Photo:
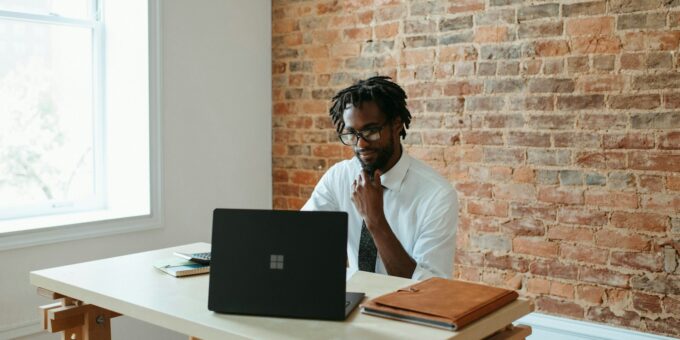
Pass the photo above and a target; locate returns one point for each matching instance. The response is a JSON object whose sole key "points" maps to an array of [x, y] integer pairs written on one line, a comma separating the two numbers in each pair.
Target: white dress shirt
{"points": [[421, 207]]}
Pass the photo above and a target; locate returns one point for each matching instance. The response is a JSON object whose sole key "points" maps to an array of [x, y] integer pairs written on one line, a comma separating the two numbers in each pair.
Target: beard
{"points": [[383, 155]]}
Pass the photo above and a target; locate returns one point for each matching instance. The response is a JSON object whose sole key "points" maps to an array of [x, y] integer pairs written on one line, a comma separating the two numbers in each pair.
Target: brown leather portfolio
{"points": [[438, 302]]}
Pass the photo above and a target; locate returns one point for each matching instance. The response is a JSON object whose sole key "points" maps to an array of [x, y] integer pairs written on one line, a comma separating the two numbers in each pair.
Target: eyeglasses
{"points": [[369, 135]]}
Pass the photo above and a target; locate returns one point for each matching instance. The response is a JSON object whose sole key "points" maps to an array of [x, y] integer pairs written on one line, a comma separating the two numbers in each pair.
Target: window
{"points": [[77, 117]]}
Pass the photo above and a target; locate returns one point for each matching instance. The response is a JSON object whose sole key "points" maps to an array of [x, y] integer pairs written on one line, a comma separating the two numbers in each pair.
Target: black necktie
{"points": [[368, 253]]}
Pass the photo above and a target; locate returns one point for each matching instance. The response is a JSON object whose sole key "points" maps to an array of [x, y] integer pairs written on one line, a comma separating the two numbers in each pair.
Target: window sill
{"points": [[53, 229]]}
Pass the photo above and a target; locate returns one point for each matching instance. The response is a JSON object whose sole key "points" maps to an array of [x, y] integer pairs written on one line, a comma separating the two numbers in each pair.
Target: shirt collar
{"points": [[394, 177]]}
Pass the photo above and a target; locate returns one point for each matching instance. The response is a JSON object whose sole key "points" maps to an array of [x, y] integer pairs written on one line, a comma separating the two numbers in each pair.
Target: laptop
{"points": [[280, 263]]}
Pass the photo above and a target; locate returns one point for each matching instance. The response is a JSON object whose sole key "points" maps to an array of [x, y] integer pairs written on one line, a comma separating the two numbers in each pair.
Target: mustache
{"points": [[365, 150]]}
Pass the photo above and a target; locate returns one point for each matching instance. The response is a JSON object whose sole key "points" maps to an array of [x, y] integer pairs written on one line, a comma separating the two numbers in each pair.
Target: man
{"points": [[402, 214]]}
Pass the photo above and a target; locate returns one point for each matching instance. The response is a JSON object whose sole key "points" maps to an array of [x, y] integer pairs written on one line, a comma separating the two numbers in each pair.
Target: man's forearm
{"points": [[396, 260]]}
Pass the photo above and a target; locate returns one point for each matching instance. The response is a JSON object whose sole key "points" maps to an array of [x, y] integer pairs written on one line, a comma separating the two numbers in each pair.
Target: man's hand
{"points": [[367, 196]]}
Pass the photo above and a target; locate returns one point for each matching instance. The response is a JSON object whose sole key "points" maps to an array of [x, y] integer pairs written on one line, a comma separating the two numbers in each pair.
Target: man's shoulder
{"points": [[342, 168], [428, 179]]}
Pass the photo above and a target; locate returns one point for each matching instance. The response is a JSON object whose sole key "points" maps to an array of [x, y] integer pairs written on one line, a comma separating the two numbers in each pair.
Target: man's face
{"points": [[378, 154]]}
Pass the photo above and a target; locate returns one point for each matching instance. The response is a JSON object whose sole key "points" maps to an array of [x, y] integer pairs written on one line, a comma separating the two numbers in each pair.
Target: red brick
{"points": [[640, 221], [646, 302], [358, 33], [538, 286], [614, 199], [593, 26], [563, 290], [554, 306], [602, 83], [387, 31], [524, 227], [635, 260], [348, 49], [284, 189], [542, 211], [649, 41], [669, 140], [591, 295], [296, 203], [606, 316], [326, 37], [645, 160], [604, 277], [582, 216], [560, 232], [615, 239], [489, 208], [457, 53], [417, 57], [536, 139], [443, 137], [583, 253], [651, 183], [601, 160], [466, 6], [491, 34], [526, 175], [554, 268], [515, 192], [483, 138], [280, 176], [506, 262], [662, 202], [482, 190], [550, 48], [671, 100], [533, 246], [316, 52], [673, 182], [327, 150], [468, 258], [595, 44], [641, 102], [305, 177], [285, 26], [463, 88], [561, 195], [629, 141], [671, 305]]}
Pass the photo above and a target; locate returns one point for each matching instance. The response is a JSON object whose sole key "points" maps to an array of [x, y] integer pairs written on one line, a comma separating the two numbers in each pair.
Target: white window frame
{"points": [[99, 201], [91, 224]]}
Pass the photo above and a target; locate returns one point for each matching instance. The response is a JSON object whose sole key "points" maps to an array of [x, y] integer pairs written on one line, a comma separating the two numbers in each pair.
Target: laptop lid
{"points": [[278, 263]]}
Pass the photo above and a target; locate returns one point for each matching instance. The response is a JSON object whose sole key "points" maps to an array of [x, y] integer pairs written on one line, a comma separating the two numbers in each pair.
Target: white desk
{"points": [[129, 285]]}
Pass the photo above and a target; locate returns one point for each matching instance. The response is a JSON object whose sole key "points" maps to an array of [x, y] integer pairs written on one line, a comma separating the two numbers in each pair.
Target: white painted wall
{"points": [[216, 127]]}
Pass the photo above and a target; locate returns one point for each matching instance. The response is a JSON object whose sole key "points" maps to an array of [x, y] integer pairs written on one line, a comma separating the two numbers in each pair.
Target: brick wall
{"points": [[557, 121]]}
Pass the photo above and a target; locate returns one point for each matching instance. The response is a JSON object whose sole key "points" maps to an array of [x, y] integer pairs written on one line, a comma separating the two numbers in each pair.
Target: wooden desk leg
{"points": [[77, 321], [510, 332]]}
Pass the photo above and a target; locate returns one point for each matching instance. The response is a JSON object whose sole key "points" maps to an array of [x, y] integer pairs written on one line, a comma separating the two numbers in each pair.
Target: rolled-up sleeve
{"points": [[435, 246]]}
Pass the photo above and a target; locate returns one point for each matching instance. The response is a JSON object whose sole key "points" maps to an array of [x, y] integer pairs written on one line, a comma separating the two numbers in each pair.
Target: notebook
{"points": [[441, 303], [180, 267]]}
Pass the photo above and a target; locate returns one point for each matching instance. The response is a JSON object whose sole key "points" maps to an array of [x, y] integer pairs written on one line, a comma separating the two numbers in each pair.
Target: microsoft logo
{"points": [[276, 262]]}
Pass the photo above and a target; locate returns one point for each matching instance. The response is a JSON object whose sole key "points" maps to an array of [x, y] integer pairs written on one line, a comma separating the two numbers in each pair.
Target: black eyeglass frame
{"points": [[369, 135]]}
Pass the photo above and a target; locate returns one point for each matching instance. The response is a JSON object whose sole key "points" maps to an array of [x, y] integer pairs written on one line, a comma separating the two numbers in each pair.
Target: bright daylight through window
{"points": [[74, 112]]}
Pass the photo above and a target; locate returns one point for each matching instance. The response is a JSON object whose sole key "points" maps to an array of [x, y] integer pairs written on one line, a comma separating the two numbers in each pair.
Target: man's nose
{"points": [[362, 143]]}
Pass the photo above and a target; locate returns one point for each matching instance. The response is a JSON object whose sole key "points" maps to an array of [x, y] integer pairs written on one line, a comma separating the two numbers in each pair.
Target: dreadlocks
{"points": [[390, 98]]}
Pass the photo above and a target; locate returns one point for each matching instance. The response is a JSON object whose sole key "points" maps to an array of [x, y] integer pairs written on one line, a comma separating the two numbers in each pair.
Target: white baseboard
{"points": [[542, 327], [556, 328], [21, 330]]}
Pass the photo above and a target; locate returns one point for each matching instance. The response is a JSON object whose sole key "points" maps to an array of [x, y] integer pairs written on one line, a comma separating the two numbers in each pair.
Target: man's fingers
{"points": [[377, 181]]}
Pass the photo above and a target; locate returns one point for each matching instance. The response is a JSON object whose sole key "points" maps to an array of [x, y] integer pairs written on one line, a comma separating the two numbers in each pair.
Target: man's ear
{"points": [[399, 125]]}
